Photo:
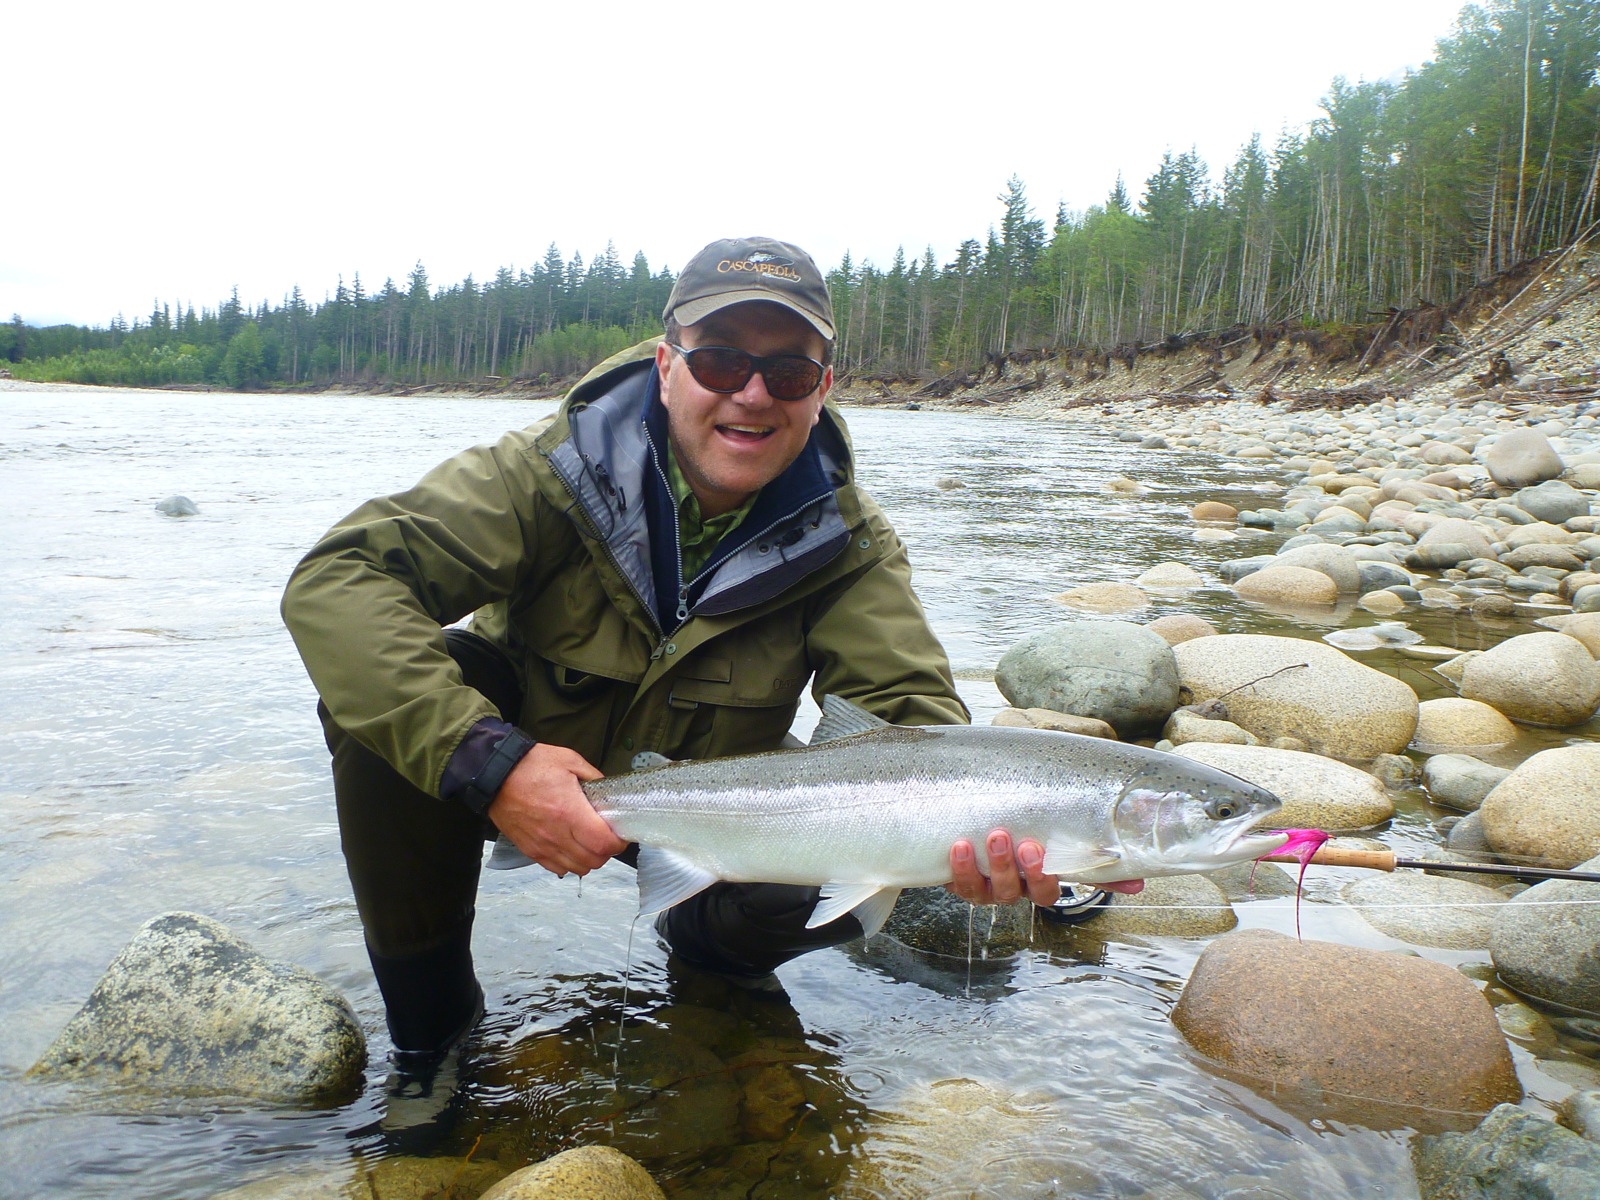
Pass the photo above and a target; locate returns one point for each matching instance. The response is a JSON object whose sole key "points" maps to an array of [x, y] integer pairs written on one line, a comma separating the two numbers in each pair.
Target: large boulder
{"points": [[1520, 458], [1389, 1028], [1548, 808], [1545, 942], [583, 1173], [1536, 678], [1454, 724], [188, 1007], [1317, 792], [1114, 670], [1290, 687], [1513, 1155]]}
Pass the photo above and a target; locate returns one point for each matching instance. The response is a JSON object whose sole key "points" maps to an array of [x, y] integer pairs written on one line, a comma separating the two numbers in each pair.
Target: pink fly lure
{"points": [[1302, 844]]}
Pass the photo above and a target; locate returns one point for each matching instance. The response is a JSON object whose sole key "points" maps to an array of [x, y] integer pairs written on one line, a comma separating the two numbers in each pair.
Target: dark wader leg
{"points": [[413, 862], [747, 929]]}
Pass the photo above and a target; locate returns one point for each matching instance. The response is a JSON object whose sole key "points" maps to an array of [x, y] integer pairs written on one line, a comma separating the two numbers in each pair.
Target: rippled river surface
{"points": [[161, 754]]}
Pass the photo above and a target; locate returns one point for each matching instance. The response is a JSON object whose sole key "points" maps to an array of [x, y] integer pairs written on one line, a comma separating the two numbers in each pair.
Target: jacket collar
{"points": [[609, 461]]}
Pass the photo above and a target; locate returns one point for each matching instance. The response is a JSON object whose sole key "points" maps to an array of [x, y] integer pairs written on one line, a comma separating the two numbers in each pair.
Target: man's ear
{"points": [[663, 365], [827, 383]]}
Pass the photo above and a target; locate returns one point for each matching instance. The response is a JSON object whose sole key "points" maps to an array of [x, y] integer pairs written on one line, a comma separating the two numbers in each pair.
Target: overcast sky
{"points": [[170, 151]]}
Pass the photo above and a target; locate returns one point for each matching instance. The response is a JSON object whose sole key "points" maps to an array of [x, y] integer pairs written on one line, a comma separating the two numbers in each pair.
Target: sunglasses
{"points": [[726, 370]]}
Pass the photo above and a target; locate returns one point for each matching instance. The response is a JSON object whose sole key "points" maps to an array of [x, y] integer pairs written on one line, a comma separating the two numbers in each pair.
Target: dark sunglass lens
{"points": [[791, 377], [719, 369]]}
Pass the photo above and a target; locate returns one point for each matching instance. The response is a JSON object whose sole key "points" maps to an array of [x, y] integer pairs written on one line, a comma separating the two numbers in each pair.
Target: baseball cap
{"points": [[736, 270]]}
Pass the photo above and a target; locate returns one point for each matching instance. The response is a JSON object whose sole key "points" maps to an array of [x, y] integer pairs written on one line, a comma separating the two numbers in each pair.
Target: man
{"points": [[662, 566]]}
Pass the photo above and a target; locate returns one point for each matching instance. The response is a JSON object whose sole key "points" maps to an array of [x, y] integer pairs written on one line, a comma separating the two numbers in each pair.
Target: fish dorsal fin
{"points": [[1071, 860], [840, 718], [667, 878], [506, 857], [870, 902], [649, 760]]}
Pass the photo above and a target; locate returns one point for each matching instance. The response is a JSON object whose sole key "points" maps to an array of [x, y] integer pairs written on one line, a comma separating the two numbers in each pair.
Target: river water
{"points": [[161, 754]]}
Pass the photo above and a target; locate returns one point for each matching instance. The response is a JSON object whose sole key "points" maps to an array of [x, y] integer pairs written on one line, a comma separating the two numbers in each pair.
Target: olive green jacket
{"points": [[542, 536]]}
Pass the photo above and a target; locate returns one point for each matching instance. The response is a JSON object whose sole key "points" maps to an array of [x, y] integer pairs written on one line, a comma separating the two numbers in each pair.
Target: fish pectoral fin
{"points": [[1071, 859], [667, 878], [840, 718], [506, 857], [870, 903], [647, 760]]}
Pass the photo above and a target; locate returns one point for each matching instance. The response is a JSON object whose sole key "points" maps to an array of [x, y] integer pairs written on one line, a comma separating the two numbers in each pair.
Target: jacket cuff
{"points": [[481, 763]]}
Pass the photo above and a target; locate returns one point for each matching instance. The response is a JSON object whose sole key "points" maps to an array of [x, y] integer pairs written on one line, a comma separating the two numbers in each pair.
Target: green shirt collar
{"points": [[698, 536]]}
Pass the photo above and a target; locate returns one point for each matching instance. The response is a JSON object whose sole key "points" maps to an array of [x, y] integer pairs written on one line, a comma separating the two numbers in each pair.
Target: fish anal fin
{"points": [[870, 902], [667, 878], [840, 718], [1071, 860], [506, 857]]}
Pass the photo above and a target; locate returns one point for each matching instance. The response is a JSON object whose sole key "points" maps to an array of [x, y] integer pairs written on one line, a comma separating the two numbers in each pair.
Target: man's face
{"points": [[731, 446]]}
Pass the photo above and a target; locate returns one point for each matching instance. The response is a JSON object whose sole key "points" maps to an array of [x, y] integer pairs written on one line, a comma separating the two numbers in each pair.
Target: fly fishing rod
{"points": [[1385, 860]]}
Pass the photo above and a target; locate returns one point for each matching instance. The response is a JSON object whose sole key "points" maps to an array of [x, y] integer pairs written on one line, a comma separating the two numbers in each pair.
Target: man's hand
{"points": [[543, 810], [1011, 873]]}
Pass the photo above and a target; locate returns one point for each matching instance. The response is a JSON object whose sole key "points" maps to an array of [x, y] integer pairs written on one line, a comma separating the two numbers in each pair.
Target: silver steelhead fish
{"points": [[870, 808]]}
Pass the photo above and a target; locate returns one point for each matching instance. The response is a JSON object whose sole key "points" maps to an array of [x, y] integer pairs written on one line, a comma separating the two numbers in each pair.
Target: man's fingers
{"points": [[1041, 888], [965, 879], [1003, 879]]}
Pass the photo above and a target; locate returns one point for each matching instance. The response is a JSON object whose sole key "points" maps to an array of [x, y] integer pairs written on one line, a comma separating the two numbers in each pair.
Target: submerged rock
{"points": [[1460, 781], [1105, 598], [586, 1173], [1545, 942], [1389, 1028], [1512, 1155], [1426, 910], [188, 1007]]}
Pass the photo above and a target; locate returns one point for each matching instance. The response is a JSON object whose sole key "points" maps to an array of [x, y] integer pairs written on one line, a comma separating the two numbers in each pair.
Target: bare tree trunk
{"points": [[1522, 158]]}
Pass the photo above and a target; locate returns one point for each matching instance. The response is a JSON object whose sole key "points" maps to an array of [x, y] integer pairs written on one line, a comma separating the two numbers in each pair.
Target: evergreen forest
{"points": [[1402, 193]]}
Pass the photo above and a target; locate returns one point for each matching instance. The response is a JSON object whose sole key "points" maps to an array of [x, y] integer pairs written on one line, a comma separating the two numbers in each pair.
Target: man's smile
{"points": [[745, 433]]}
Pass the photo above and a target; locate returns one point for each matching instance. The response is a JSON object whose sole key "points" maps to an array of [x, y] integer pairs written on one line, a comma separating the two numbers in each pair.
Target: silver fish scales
{"points": [[869, 808]]}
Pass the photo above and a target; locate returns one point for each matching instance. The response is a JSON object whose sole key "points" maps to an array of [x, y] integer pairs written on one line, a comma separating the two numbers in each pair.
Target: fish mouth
{"points": [[1255, 843]]}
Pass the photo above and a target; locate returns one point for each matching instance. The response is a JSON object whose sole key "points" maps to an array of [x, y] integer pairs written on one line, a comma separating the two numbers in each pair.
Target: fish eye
{"points": [[1224, 811]]}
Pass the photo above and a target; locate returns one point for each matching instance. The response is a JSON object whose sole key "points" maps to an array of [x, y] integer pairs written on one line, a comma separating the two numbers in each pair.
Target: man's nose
{"points": [[754, 392]]}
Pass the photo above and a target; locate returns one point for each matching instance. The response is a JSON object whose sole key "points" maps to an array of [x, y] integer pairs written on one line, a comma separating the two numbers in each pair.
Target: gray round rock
{"points": [[1546, 942], [1114, 670], [186, 1006]]}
